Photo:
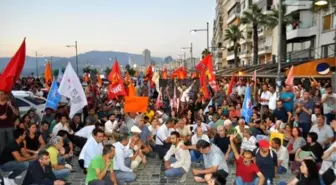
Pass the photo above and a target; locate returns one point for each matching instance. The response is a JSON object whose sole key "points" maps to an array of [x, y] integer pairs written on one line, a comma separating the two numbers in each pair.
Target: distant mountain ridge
{"points": [[98, 59]]}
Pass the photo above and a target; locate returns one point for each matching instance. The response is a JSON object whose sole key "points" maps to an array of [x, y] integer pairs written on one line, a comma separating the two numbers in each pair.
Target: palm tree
{"points": [[253, 16], [205, 52], [271, 21], [233, 34]]}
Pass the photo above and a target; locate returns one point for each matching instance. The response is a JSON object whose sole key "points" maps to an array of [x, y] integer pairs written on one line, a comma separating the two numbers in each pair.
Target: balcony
{"points": [[296, 5], [264, 49], [300, 31], [230, 55], [245, 53]]}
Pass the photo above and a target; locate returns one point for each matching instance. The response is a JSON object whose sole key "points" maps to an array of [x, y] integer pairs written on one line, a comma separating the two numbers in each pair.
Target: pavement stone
{"points": [[153, 174]]}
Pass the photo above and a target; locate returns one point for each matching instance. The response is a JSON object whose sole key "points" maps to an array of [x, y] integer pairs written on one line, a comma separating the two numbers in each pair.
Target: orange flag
{"points": [[131, 89], [203, 85], [135, 104], [86, 77], [164, 74], [290, 77], [99, 80], [48, 75], [231, 84], [13, 69]]}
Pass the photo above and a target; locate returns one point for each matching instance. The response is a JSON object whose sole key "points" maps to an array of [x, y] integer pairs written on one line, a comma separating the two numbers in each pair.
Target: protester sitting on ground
{"points": [[162, 139], [184, 130], [179, 165], [40, 171], [282, 154], [11, 159], [67, 151], [249, 141], [136, 145], [76, 124], [308, 174], [62, 125], [199, 123], [221, 139], [266, 159], [312, 146], [33, 142], [100, 165], [44, 131], [49, 116], [324, 132], [122, 161], [214, 162], [294, 144], [60, 168], [241, 127], [92, 148], [196, 156], [247, 172], [111, 126]]}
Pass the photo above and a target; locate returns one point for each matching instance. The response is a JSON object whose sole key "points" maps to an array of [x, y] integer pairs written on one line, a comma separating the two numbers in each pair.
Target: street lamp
{"points": [[37, 55], [280, 22], [191, 53], [207, 30], [76, 48]]}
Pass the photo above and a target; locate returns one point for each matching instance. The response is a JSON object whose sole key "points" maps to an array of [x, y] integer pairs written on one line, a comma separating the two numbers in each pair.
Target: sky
{"points": [[162, 26]]}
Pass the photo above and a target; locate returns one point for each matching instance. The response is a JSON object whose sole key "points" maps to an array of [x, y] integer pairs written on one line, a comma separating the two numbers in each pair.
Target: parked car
{"points": [[26, 100]]}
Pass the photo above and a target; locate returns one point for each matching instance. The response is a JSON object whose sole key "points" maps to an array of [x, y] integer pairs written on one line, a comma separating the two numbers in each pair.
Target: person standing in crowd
{"points": [[281, 113], [282, 154], [12, 160], [305, 110], [287, 97], [265, 95], [266, 159], [180, 164], [40, 171], [214, 162], [246, 170], [7, 114], [329, 104], [100, 165], [122, 161]]}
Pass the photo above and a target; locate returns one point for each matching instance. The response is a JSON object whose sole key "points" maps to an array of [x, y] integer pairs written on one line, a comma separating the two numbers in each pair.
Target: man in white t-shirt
{"points": [[162, 139], [195, 154], [329, 104], [265, 95], [283, 156]]}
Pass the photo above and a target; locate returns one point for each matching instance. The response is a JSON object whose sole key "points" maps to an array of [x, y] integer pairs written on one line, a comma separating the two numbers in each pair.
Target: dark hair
{"points": [[63, 133], [44, 122], [219, 180], [171, 120], [298, 130], [313, 136], [107, 149], [96, 131], [58, 115], [123, 137], [312, 170], [328, 86], [276, 141], [175, 134], [42, 153], [31, 124], [18, 132], [78, 114], [201, 144]]}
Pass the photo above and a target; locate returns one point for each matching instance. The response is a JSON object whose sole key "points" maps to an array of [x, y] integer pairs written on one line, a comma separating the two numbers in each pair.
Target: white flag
{"points": [[71, 88], [60, 75]]}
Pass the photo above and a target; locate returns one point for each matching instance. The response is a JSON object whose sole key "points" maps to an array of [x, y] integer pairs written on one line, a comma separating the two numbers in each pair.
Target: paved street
{"points": [[153, 174]]}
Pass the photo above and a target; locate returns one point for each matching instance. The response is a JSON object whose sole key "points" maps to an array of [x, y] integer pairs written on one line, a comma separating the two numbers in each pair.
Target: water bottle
{"points": [[268, 182]]}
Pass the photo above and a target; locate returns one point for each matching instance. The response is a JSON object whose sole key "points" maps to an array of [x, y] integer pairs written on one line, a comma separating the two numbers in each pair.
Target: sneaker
{"points": [[18, 177], [183, 178], [12, 182]]}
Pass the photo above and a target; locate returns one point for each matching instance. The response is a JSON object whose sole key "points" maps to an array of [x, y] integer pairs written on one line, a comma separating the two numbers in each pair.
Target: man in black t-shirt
{"points": [[11, 159]]}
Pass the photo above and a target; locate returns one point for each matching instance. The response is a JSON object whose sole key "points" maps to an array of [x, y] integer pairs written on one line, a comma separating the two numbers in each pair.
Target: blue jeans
{"points": [[174, 172], [15, 167], [239, 181], [282, 183], [123, 177], [105, 181], [195, 155], [62, 173], [305, 128], [282, 170]]}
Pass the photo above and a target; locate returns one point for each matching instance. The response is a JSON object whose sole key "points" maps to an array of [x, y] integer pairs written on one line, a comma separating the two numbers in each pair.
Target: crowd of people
{"points": [[294, 133]]}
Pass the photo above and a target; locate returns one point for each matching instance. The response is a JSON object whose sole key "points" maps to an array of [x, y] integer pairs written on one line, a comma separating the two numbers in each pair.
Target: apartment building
{"points": [[216, 42]]}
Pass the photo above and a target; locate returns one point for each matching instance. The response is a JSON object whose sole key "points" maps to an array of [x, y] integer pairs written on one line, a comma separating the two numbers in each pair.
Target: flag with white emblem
{"points": [[71, 88], [53, 96]]}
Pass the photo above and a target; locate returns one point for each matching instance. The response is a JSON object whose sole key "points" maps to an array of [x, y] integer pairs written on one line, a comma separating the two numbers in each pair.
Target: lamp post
{"points": [[280, 23], [207, 30], [191, 54], [76, 48], [37, 70]]}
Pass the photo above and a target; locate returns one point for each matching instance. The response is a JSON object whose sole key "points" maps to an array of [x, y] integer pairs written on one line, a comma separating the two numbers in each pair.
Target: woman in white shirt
{"points": [[249, 141]]}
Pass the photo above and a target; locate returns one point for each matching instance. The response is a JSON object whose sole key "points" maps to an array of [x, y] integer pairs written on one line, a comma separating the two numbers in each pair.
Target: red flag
{"points": [[290, 77], [203, 85], [231, 84], [13, 69], [116, 87], [207, 66], [180, 73], [203, 65]]}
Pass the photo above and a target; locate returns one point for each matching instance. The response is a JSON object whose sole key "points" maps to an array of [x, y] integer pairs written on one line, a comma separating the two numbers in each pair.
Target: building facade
{"points": [[147, 57]]}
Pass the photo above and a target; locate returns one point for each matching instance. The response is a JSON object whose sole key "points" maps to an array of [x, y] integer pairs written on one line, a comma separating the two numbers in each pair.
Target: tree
{"points": [[55, 72], [253, 16], [233, 34], [272, 21], [107, 71], [87, 69]]}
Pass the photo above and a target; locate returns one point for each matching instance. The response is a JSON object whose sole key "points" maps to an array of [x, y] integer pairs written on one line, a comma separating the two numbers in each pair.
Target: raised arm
{"points": [[233, 146]]}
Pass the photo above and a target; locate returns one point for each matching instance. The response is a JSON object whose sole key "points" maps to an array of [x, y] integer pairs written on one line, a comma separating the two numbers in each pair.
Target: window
{"points": [[21, 103], [328, 50], [327, 22], [334, 21], [35, 100]]}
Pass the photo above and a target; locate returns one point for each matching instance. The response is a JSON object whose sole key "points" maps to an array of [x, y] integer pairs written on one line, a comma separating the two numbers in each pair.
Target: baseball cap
{"points": [[135, 129], [264, 144]]}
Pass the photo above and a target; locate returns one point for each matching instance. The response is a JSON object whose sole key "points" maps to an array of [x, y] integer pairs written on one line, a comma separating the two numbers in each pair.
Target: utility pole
{"points": [[280, 22]]}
